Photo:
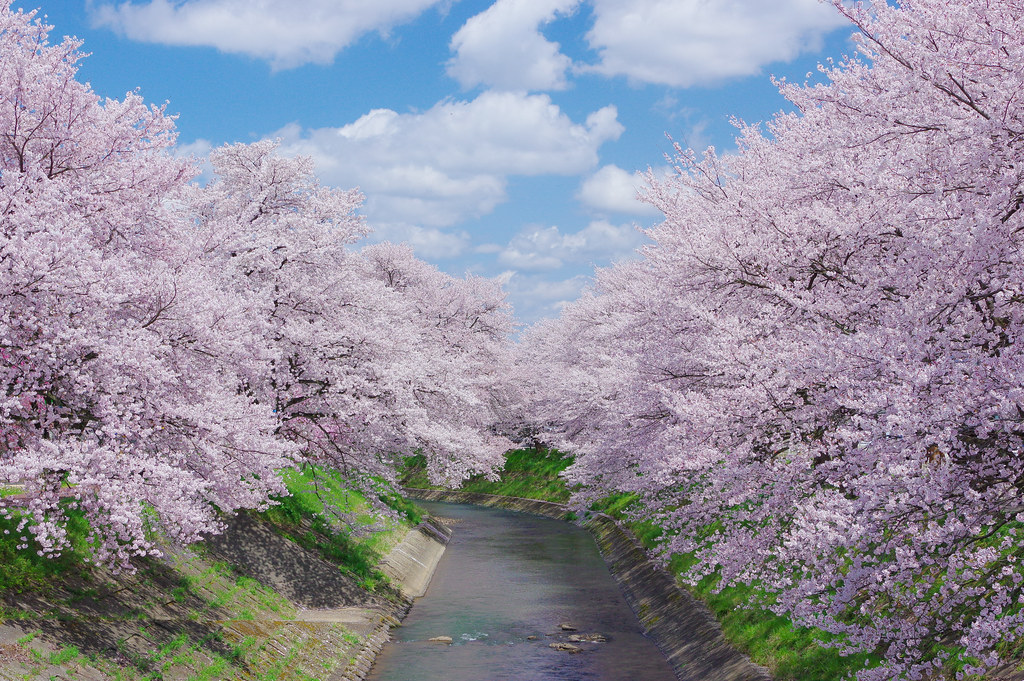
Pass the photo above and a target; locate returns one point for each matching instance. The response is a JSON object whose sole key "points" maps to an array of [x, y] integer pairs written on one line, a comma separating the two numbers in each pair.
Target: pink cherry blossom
{"points": [[814, 375], [166, 349]]}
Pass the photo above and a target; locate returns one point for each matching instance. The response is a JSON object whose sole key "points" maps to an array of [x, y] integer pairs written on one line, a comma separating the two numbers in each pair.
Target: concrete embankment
{"points": [[534, 506], [250, 604], [410, 565], [329, 598], [681, 626]]}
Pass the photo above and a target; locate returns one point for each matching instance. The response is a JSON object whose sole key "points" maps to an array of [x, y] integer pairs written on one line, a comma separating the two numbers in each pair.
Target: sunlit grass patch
{"points": [[323, 514], [24, 568], [529, 473], [7, 490]]}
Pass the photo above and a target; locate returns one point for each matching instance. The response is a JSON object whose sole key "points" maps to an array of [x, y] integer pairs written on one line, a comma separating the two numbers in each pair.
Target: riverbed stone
{"points": [[441, 639], [565, 647], [565, 626], [590, 638]]}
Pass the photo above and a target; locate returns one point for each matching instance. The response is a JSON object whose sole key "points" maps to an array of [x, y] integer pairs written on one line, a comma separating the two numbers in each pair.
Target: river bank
{"points": [[789, 653], [682, 627], [247, 604]]}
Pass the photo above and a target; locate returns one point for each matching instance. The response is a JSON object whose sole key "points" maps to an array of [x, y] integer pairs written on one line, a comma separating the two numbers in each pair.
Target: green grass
{"points": [[25, 570], [64, 655], [310, 515], [28, 638], [772, 640], [529, 473], [792, 653], [181, 650], [314, 492], [413, 514], [204, 592]]}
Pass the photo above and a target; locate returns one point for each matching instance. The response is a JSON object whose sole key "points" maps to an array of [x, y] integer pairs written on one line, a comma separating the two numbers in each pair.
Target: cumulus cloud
{"points": [[539, 248], [503, 48], [559, 290], [430, 243], [285, 32], [536, 296], [700, 42], [451, 162], [197, 151], [614, 190]]}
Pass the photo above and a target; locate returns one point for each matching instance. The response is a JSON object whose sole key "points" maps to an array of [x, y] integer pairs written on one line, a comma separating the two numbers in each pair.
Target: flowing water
{"points": [[504, 578]]}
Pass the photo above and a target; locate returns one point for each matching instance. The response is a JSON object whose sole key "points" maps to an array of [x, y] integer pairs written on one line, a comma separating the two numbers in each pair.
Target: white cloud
{"points": [[614, 190], [285, 32], [560, 291], [699, 42], [502, 47], [539, 248], [505, 277], [429, 243], [199, 149], [528, 256], [535, 296], [199, 152], [451, 162]]}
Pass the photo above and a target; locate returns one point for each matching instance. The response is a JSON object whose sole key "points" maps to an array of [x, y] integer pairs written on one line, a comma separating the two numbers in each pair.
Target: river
{"points": [[508, 577]]}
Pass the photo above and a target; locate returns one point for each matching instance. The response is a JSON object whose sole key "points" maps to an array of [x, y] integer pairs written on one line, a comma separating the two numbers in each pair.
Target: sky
{"points": [[502, 138]]}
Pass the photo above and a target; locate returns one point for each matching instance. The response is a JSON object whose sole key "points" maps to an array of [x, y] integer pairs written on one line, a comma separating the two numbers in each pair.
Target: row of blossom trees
{"points": [[815, 375], [166, 349]]}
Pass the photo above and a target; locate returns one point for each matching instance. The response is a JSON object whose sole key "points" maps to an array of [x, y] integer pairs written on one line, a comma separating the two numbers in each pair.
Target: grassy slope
{"points": [[528, 473], [189, 615], [791, 653], [310, 518]]}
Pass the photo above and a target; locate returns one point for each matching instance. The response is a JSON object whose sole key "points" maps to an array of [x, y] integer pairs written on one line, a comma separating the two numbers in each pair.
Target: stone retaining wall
{"points": [[362, 660], [681, 626], [308, 620]]}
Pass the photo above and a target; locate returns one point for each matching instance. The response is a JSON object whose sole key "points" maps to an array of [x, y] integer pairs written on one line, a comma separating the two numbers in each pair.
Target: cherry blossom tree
{"points": [[371, 356], [117, 351], [814, 374], [166, 349], [460, 380]]}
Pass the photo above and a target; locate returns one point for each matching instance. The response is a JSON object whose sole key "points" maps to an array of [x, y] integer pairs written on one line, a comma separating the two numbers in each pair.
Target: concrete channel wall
{"points": [[410, 565], [680, 625], [534, 506]]}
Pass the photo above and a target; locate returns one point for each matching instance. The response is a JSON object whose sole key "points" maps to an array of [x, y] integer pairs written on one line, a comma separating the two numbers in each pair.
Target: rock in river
{"points": [[567, 647]]}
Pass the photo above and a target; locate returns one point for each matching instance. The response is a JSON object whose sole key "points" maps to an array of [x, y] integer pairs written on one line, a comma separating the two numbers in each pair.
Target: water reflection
{"points": [[503, 588]]}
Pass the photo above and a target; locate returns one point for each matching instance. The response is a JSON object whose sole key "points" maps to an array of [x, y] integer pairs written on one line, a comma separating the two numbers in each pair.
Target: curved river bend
{"points": [[504, 578]]}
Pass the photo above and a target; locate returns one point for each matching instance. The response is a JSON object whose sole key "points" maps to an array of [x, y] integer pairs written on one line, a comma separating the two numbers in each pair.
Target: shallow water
{"points": [[507, 576]]}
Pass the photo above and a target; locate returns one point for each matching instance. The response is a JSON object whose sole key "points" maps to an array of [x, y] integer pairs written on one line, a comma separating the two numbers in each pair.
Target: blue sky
{"points": [[498, 137]]}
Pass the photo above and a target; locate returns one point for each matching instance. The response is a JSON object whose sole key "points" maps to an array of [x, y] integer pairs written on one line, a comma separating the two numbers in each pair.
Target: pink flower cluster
{"points": [[166, 349], [815, 375]]}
